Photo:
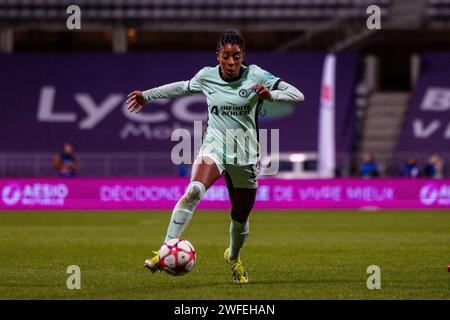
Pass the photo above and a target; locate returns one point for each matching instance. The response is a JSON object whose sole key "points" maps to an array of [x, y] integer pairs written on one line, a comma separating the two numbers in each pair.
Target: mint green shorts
{"points": [[241, 176]]}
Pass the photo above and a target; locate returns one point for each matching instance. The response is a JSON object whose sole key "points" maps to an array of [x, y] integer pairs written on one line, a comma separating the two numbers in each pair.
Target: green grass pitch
{"points": [[289, 255]]}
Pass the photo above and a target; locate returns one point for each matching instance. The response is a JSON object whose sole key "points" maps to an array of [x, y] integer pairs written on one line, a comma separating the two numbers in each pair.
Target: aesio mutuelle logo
{"points": [[435, 194], [42, 194], [11, 195]]}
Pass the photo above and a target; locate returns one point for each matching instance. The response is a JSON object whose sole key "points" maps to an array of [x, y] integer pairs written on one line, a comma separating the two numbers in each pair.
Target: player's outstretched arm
{"points": [[284, 93], [137, 99]]}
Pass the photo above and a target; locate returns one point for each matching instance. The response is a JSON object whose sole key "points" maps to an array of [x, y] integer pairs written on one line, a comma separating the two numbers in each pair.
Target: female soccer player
{"points": [[235, 93]]}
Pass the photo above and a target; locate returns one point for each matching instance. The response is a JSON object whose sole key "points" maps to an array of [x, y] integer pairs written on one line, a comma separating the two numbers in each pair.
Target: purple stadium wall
{"points": [[48, 99], [426, 127]]}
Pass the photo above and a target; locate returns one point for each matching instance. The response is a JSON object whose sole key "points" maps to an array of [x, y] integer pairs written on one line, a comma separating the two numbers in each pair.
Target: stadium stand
{"points": [[426, 125], [438, 10], [163, 11]]}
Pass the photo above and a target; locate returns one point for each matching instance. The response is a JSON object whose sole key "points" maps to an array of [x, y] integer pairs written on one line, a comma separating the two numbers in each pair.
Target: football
{"points": [[177, 257]]}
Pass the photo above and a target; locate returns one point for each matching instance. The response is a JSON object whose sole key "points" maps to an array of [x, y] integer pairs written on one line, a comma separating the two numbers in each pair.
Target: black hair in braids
{"points": [[230, 37]]}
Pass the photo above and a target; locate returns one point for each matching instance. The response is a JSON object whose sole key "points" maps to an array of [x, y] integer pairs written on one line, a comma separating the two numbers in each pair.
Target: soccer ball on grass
{"points": [[177, 257]]}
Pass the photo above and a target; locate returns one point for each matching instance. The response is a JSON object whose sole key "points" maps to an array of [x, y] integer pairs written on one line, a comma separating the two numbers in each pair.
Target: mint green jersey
{"points": [[233, 108]]}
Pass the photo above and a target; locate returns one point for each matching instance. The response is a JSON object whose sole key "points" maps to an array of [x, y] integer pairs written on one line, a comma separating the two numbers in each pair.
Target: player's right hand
{"points": [[135, 101]]}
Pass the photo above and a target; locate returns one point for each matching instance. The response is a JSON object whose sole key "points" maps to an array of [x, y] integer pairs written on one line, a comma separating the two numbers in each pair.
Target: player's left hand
{"points": [[262, 91]]}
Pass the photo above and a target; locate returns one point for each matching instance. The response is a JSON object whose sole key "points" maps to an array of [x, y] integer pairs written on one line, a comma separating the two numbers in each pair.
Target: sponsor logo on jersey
{"points": [[231, 110]]}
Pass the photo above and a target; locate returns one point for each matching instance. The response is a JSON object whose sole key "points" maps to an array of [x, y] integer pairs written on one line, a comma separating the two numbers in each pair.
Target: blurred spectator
{"points": [[66, 162], [369, 167], [411, 168], [434, 166]]}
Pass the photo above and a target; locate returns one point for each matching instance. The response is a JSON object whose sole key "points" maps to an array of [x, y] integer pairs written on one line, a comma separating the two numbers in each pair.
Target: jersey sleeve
{"points": [[176, 89], [167, 91], [196, 83], [266, 78], [286, 92]]}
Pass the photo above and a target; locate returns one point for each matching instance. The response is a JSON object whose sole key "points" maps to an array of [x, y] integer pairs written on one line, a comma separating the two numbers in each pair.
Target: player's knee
{"points": [[194, 192]]}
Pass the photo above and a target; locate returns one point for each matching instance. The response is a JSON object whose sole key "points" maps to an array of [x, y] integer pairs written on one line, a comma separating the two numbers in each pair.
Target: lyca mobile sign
{"points": [[147, 123]]}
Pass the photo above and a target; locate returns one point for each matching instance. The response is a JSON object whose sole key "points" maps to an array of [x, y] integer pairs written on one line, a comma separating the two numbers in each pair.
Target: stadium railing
{"points": [[40, 164]]}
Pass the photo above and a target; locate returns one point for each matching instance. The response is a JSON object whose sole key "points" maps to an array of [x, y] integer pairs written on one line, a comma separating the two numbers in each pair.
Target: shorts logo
{"points": [[243, 93]]}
